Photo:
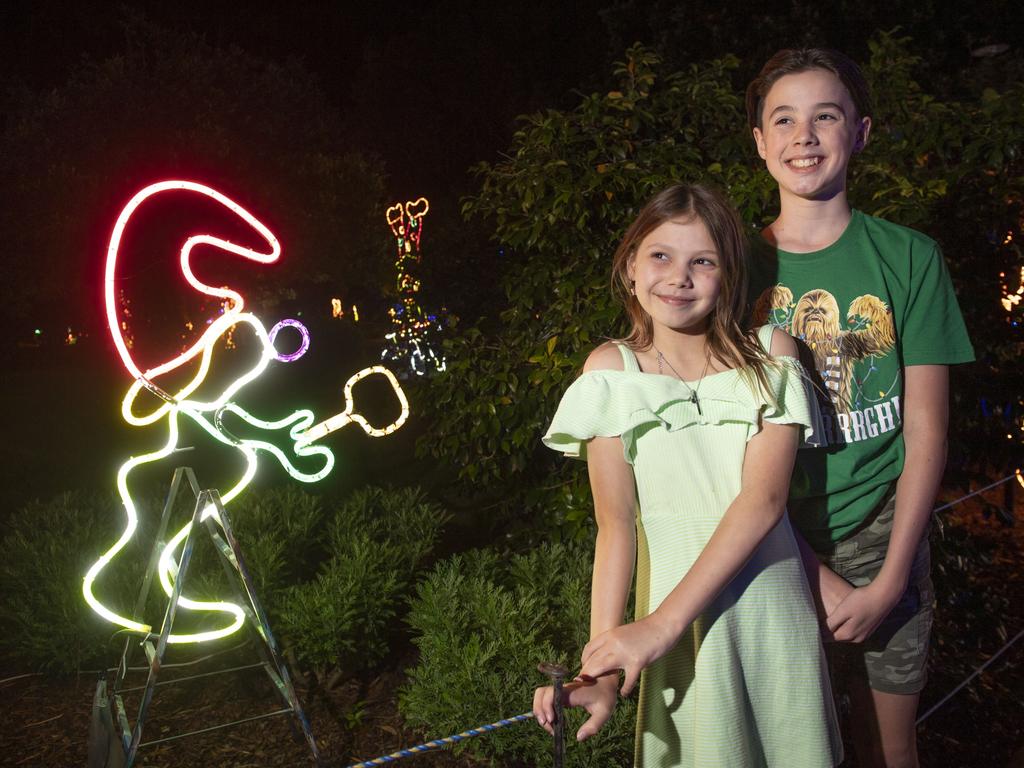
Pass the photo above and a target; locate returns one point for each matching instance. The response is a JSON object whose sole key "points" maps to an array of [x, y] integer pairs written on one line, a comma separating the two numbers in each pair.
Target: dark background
{"points": [[433, 87], [423, 90]]}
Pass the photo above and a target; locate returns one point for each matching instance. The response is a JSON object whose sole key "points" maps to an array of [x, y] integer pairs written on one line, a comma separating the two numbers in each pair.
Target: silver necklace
{"points": [[662, 360]]}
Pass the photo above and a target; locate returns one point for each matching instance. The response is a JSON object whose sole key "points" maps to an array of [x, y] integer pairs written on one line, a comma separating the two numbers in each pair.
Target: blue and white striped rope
{"points": [[447, 741], [1016, 474]]}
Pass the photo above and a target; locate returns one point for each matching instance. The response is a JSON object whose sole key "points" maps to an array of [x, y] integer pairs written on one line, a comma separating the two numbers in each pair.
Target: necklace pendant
{"points": [[696, 401]]}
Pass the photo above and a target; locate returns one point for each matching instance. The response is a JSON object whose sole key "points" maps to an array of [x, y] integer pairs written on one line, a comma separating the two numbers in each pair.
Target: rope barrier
{"points": [[970, 677], [1006, 646], [1016, 475], [447, 741]]}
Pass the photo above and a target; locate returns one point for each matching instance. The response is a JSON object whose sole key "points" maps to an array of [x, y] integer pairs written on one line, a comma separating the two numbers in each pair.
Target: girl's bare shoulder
{"points": [[782, 344], [605, 357]]}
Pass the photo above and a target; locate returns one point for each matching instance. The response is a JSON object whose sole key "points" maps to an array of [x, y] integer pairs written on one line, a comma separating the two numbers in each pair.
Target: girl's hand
{"points": [[833, 590], [857, 616], [630, 647], [597, 697]]}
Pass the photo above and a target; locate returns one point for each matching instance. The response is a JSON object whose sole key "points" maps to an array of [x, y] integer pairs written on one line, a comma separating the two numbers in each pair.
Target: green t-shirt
{"points": [[875, 301]]}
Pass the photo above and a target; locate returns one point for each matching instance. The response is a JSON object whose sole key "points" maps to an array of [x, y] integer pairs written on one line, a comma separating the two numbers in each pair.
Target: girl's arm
{"points": [[760, 505], [614, 492], [925, 419], [828, 588]]}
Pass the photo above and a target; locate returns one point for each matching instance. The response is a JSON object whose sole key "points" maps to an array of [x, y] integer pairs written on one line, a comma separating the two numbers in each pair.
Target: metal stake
{"points": [[557, 673]]}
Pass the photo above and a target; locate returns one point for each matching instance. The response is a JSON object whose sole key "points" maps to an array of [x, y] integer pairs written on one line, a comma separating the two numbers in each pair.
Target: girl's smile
{"points": [[676, 275]]}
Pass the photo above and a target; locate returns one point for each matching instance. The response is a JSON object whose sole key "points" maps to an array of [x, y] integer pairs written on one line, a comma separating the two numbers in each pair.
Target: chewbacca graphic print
{"points": [[862, 309], [868, 334]]}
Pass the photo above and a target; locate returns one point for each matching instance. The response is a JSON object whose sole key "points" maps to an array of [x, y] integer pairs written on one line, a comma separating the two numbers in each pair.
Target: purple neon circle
{"points": [[302, 347]]}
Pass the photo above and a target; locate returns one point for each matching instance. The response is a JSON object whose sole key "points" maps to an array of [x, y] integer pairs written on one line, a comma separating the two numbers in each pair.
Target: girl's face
{"points": [[677, 275]]}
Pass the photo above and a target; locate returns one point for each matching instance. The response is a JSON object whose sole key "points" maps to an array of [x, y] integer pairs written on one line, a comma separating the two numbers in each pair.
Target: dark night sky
{"points": [[432, 87]]}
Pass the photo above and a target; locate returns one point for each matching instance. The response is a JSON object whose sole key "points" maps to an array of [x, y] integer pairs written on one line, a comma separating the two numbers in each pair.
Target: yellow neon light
{"points": [[349, 415]]}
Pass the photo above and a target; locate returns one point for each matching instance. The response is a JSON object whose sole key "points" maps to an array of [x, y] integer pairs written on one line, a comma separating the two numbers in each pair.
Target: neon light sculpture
{"points": [[409, 342], [210, 414]]}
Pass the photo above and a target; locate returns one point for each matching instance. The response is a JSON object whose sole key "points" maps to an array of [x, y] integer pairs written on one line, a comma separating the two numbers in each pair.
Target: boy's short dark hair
{"points": [[790, 61]]}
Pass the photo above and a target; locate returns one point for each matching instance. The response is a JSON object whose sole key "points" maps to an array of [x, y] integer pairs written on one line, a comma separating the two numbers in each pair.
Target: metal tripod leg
{"points": [[220, 531]]}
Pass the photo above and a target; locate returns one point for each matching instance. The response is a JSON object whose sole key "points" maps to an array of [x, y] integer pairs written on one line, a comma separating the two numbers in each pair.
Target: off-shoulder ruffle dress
{"points": [[747, 685]]}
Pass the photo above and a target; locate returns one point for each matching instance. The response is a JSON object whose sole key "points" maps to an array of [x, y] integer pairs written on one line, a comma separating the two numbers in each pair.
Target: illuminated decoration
{"points": [[303, 344], [229, 334], [348, 415], [1011, 298], [126, 313], [338, 310], [217, 416], [409, 344]]}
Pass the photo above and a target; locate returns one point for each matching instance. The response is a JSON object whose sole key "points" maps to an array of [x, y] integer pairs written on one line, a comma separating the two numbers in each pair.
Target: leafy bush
{"points": [[343, 619], [332, 591], [279, 533], [572, 180], [45, 622], [482, 625]]}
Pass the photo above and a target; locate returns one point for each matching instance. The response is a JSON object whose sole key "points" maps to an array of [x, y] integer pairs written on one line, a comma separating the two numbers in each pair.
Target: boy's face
{"points": [[810, 130]]}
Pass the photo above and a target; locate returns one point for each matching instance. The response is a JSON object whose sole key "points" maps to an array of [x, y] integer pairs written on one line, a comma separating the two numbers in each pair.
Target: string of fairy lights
{"points": [[411, 345]]}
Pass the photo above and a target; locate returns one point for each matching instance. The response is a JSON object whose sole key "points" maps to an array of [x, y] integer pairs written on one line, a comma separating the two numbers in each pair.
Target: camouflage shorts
{"points": [[893, 658]]}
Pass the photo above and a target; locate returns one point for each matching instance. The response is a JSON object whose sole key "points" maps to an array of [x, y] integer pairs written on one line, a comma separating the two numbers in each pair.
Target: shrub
{"points": [[279, 534], [482, 625], [572, 180], [45, 622], [342, 620]]}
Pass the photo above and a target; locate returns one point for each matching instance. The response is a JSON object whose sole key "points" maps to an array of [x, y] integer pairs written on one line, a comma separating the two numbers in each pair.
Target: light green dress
{"points": [[747, 684]]}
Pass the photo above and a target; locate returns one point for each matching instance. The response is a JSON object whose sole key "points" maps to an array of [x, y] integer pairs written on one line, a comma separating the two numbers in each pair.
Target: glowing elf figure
{"points": [[409, 342], [169, 405]]}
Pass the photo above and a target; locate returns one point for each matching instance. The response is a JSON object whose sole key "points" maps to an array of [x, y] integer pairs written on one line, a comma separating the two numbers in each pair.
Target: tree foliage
{"points": [[573, 180], [481, 624], [173, 106]]}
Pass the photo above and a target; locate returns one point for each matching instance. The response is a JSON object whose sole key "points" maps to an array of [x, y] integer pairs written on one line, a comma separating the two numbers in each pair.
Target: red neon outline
{"points": [[235, 299]]}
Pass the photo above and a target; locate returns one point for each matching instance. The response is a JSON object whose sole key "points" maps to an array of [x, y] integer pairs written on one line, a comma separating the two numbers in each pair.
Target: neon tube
{"points": [[314, 462]]}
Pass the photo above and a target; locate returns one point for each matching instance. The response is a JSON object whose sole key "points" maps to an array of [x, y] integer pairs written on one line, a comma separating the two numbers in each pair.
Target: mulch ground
{"points": [[46, 720]]}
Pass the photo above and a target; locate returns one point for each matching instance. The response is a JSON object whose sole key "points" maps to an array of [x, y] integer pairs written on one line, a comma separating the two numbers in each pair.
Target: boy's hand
{"points": [[597, 697], [859, 615], [630, 647]]}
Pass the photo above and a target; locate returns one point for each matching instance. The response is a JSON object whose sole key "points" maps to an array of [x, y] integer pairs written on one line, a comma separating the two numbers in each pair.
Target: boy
{"points": [[873, 308]]}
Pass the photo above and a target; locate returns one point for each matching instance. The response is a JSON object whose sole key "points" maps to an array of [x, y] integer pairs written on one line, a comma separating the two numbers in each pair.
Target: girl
{"points": [[695, 419]]}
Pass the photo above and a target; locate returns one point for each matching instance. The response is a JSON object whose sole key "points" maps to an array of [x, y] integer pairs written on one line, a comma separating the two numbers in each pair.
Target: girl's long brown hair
{"points": [[726, 339]]}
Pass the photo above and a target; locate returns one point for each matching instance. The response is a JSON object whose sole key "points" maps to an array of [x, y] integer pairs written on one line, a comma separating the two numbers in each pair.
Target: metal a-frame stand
{"points": [[124, 742]]}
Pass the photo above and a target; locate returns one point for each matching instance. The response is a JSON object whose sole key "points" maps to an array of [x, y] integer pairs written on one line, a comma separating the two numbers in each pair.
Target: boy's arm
{"points": [[925, 419]]}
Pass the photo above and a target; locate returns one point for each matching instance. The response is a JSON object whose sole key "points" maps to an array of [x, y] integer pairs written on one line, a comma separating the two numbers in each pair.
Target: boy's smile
{"points": [[810, 129]]}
